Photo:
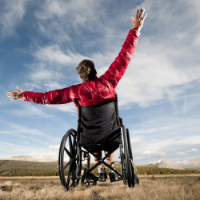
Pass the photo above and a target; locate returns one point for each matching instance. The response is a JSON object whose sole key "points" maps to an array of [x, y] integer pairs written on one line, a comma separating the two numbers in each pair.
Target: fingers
{"points": [[141, 13], [132, 19], [13, 99], [19, 89], [137, 12], [12, 95], [143, 18]]}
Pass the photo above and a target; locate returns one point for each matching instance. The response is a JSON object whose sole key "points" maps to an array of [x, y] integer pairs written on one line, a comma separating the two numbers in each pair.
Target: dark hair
{"points": [[86, 70]]}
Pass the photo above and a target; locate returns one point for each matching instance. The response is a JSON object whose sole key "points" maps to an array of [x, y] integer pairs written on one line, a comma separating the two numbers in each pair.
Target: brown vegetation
{"points": [[25, 168], [149, 188]]}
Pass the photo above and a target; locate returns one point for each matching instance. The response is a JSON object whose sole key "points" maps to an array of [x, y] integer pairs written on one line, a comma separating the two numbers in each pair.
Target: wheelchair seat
{"points": [[99, 128]]}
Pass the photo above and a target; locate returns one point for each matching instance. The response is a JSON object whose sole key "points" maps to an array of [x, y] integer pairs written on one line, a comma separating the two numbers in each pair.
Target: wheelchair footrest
{"points": [[114, 177], [89, 180]]}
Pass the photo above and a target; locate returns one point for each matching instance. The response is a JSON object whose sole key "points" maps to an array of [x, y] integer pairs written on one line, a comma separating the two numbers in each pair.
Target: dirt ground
{"points": [[150, 188]]}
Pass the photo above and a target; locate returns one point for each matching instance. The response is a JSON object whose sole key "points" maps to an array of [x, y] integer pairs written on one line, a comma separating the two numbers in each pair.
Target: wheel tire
{"points": [[123, 161], [128, 171], [66, 160], [135, 178]]}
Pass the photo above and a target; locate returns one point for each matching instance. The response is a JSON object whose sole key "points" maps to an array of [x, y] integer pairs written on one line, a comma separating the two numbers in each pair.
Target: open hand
{"points": [[16, 95], [139, 19]]}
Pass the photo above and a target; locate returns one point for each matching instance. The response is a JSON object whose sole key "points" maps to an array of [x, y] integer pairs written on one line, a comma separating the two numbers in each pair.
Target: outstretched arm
{"points": [[119, 66], [61, 96]]}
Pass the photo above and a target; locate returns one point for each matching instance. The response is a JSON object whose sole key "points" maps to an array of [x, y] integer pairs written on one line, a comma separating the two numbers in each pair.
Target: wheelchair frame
{"points": [[74, 152]]}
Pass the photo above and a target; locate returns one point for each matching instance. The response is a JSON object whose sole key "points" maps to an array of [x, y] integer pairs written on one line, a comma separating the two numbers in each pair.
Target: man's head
{"points": [[86, 70]]}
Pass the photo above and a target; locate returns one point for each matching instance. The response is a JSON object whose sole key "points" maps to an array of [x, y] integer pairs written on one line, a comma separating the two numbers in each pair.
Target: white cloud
{"points": [[44, 152], [180, 153], [71, 15], [25, 150], [20, 130], [43, 77], [52, 69], [75, 12], [154, 153], [6, 143], [70, 107], [54, 147], [54, 55], [136, 140], [43, 72], [151, 77], [171, 135], [196, 41], [12, 14], [30, 111], [193, 151]]}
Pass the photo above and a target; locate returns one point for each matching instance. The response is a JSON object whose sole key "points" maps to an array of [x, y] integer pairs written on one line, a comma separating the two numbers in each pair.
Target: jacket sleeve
{"points": [[119, 66], [61, 96]]}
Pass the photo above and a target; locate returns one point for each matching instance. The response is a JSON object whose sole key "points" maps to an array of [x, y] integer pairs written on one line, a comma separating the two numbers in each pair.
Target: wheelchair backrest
{"points": [[98, 124]]}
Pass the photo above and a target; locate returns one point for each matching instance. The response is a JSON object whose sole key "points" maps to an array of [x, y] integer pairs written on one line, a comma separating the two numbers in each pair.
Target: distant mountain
{"points": [[31, 159], [36, 159], [164, 163], [189, 163]]}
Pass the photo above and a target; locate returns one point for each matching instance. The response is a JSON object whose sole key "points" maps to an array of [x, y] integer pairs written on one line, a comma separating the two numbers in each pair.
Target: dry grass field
{"points": [[162, 188]]}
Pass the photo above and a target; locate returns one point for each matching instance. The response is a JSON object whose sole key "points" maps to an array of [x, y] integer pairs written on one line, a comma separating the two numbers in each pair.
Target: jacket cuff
{"points": [[135, 33], [24, 96]]}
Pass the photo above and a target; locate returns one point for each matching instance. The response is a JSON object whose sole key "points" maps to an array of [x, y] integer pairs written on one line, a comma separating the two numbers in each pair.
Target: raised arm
{"points": [[119, 66], [61, 96]]}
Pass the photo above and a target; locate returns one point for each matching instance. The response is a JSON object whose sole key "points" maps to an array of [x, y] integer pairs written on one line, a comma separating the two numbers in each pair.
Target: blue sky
{"points": [[41, 43]]}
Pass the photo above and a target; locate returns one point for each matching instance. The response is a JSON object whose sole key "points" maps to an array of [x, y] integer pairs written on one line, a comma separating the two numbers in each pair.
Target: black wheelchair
{"points": [[99, 128]]}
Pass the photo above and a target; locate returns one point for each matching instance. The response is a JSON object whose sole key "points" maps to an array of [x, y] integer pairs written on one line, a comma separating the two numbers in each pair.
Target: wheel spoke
{"points": [[69, 174], [69, 163], [68, 153]]}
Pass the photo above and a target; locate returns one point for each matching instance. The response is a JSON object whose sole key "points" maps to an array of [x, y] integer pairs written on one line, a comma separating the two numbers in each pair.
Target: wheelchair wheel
{"points": [[135, 178], [129, 173], [67, 161], [123, 168]]}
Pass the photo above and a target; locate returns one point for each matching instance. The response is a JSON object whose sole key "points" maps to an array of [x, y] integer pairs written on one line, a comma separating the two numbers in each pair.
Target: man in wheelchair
{"points": [[96, 101]]}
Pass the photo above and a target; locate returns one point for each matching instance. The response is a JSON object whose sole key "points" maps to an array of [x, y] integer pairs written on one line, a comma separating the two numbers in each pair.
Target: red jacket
{"points": [[96, 91]]}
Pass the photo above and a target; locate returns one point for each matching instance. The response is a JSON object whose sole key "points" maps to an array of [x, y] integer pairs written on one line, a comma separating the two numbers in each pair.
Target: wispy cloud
{"points": [[10, 144], [12, 12], [193, 150], [70, 107], [54, 55], [25, 150], [18, 130], [149, 153], [180, 153], [175, 139], [54, 147], [30, 110]]}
